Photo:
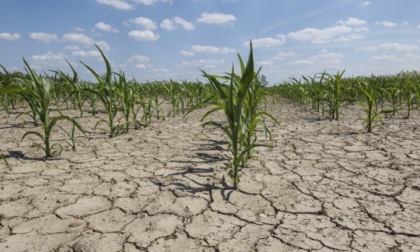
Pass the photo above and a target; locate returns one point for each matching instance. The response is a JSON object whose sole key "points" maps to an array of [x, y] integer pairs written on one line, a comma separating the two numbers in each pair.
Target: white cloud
{"points": [[143, 35], [301, 62], [187, 53], [387, 58], [265, 63], [365, 4], [203, 63], [349, 37], [103, 45], [326, 60], [44, 37], [360, 29], [352, 22], [339, 33], [285, 55], [319, 36], [141, 66], [152, 2], [184, 23], [267, 42], [9, 36], [413, 57], [86, 40], [211, 49], [167, 24], [216, 18], [397, 47], [147, 23], [36, 67], [389, 47], [72, 48], [139, 58], [78, 38], [170, 24], [118, 4], [161, 70], [145, 2], [387, 24], [105, 27], [49, 56], [344, 31], [78, 29], [91, 53]]}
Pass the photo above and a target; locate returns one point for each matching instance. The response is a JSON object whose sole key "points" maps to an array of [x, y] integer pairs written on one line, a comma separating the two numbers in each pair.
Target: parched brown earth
{"points": [[323, 186]]}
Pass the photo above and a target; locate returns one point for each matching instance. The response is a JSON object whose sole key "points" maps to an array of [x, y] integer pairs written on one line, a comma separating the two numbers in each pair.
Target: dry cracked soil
{"points": [[321, 186]]}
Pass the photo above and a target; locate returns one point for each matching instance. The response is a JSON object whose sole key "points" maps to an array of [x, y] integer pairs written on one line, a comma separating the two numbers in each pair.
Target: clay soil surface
{"points": [[323, 186]]}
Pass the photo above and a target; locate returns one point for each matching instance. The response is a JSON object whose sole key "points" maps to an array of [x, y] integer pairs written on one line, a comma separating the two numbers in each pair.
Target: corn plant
{"points": [[40, 90], [334, 95], [92, 101], [300, 93], [157, 104], [73, 89], [172, 90], [3, 157], [253, 114], [393, 94], [316, 92], [409, 92], [4, 81], [19, 85], [147, 106], [152, 91], [369, 107], [125, 92], [72, 137], [238, 104], [105, 91]]}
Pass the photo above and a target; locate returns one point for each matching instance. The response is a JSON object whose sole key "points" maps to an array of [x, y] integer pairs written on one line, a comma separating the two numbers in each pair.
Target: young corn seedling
{"points": [[393, 94], [72, 136], [75, 92], [125, 93], [172, 88], [105, 91], [372, 113], [253, 114], [334, 97], [157, 105], [22, 87], [147, 111], [138, 99], [409, 92], [40, 90], [6, 99], [3, 157], [316, 92], [237, 103], [92, 101]]}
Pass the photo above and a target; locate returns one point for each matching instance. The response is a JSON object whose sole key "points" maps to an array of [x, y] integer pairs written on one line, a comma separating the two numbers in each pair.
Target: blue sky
{"points": [[163, 39]]}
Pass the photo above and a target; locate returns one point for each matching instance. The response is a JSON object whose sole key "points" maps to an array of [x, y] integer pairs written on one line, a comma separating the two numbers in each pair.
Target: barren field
{"points": [[323, 186]]}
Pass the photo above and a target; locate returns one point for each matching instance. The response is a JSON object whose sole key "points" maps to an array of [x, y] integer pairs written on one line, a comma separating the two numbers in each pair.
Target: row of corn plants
{"points": [[38, 91], [126, 103], [376, 95]]}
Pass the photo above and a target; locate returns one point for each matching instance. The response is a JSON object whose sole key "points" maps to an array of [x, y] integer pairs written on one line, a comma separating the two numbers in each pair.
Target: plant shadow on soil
{"points": [[225, 191], [21, 155]]}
